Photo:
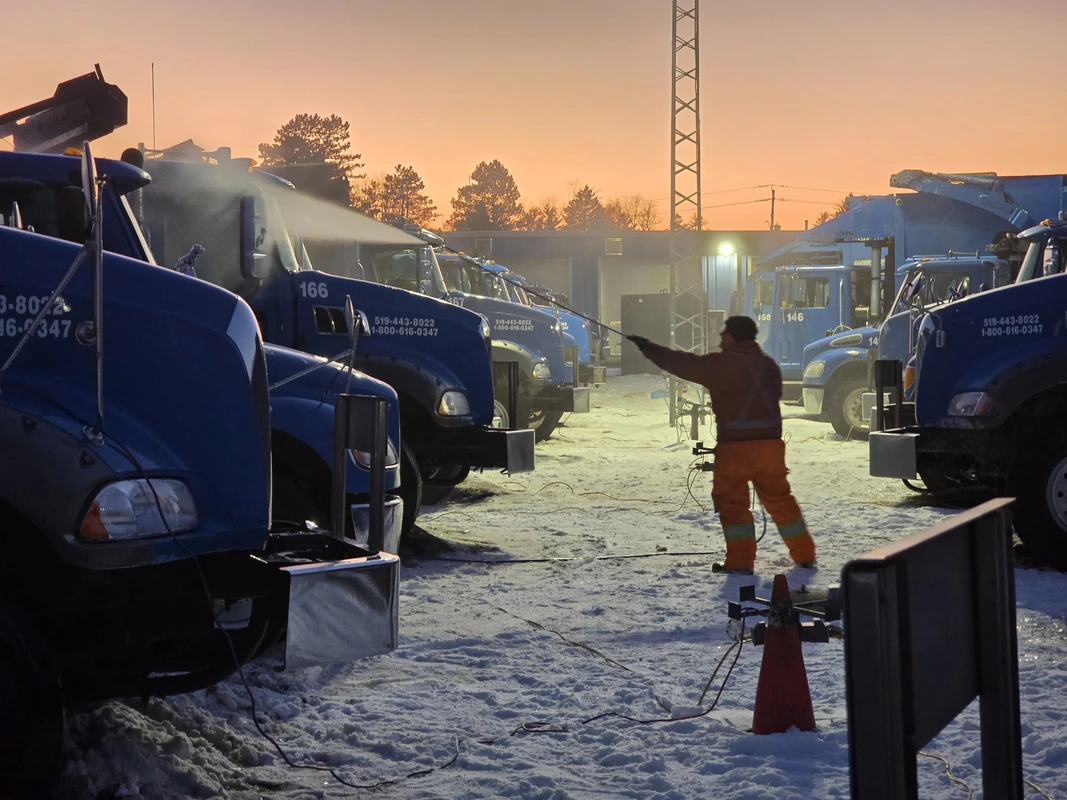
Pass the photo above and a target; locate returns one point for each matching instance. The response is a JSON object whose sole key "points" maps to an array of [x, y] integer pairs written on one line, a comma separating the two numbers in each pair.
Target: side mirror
{"points": [[357, 322], [254, 260], [89, 188]]}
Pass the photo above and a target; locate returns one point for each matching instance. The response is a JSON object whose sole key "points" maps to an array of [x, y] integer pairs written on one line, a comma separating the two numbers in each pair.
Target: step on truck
{"points": [[135, 483], [301, 423], [990, 397], [436, 356]]}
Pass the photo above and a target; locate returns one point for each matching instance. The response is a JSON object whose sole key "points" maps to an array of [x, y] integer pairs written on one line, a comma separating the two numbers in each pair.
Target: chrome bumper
{"points": [[335, 601], [569, 399], [892, 454], [393, 518], [813, 397]]}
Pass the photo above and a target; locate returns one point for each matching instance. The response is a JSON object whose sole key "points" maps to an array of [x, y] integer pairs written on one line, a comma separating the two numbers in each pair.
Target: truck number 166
{"points": [[310, 289]]}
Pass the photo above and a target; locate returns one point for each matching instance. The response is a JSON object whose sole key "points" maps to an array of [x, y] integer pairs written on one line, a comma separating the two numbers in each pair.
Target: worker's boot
{"points": [[720, 567], [740, 556]]}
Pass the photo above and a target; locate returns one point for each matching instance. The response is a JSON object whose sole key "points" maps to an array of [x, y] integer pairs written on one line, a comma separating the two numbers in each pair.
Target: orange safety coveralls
{"points": [[745, 386]]}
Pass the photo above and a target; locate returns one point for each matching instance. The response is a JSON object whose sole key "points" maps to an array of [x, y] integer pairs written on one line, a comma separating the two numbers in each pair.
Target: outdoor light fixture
{"points": [[726, 249]]}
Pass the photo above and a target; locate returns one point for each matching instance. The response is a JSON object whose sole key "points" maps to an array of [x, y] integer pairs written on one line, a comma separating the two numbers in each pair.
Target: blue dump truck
{"points": [[302, 390], [860, 253], [135, 480], [435, 355], [544, 299], [531, 337], [837, 367], [990, 397]]}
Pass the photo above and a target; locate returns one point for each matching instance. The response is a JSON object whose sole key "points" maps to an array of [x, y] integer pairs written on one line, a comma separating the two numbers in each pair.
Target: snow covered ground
{"points": [[501, 665]]}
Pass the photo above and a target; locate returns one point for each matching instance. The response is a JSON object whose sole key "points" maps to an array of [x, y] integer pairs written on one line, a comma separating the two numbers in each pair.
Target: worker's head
{"points": [[737, 329]]}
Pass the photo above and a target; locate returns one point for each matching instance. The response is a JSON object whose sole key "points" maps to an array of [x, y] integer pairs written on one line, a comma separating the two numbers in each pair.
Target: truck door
{"points": [[806, 306], [758, 303]]}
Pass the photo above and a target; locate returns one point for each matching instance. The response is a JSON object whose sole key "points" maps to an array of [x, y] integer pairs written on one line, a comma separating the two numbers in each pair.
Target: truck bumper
{"points": [[870, 400], [497, 448], [589, 375], [569, 399], [894, 453], [813, 397], [393, 521], [336, 601]]}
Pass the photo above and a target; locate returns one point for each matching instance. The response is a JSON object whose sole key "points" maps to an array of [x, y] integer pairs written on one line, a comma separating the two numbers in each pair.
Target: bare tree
{"points": [[632, 213]]}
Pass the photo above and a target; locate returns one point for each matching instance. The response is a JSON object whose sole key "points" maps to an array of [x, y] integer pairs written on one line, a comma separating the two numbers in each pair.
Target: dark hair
{"points": [[741, 328]]}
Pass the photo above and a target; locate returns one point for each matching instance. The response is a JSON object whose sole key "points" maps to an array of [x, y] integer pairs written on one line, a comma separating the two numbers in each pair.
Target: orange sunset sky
{"points": [[821, 94]]}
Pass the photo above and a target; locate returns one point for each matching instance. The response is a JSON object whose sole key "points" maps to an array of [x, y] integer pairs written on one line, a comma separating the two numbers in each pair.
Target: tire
{"points": [[501, 417], [295, 502], [544, 424], [31, 712], [1038, 481], [441, 482], [411, 489], [846, 409]]}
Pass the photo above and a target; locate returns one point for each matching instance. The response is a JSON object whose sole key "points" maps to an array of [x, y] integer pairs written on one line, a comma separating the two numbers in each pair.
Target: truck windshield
{"points": [[414, 269], [933, 288]]}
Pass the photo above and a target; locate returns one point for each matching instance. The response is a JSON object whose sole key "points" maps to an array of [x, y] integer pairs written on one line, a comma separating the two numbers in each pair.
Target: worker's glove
{"points": [[640, 341]]}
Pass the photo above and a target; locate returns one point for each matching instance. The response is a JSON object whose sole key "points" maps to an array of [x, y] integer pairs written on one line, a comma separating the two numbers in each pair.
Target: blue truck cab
{"points": [[434, 355], [302, 408], [523, 334], [541, 297], [135, 480], [807, 303], [837, 368], [991, 396]]}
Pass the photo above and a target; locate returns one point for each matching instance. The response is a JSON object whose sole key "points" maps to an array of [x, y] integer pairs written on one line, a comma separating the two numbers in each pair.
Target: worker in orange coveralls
{"points": [[745, 385]]}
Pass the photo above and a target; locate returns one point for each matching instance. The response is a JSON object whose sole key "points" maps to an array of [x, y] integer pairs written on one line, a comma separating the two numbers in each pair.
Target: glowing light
{"points": [[726, 248]]}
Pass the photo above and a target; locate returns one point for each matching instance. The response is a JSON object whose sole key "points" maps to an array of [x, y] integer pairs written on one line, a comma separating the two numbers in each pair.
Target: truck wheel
{"points": [[544, 424], [293, 503], [501, 417], [31, 712], [1038, 480], [846, 409], [440, 483], [410, 488]]}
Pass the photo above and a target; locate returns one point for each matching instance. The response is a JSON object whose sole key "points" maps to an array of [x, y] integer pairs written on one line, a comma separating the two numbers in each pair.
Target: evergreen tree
{"points": [[490, 202], [584, 211], [311, 139]]}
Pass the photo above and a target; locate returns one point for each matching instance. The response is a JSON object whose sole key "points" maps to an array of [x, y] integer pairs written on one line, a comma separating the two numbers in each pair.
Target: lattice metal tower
{"points": [[687, 305]]}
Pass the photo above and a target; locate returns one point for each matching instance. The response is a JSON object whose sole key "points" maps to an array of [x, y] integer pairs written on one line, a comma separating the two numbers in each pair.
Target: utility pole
{"points": [[772, 208], [687, 319]]}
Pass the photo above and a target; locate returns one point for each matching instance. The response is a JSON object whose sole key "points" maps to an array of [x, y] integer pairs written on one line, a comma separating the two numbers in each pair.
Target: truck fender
{"points": [[423, 386], [512, 351], [311, 422]]}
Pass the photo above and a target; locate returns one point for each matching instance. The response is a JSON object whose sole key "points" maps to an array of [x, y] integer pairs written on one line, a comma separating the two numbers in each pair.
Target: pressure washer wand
{"points": [[528, 290]]}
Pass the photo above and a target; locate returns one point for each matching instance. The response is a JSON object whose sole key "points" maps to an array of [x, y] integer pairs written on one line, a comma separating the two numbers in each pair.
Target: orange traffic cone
{"points": [[783, 699]]}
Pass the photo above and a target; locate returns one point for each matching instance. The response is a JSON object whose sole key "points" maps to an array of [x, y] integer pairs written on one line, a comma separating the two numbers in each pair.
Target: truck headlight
{"points": [[973, 404], [128, 510], [484, 330], [541, 372], [814, 369], [453, 404], [363, 458]]}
